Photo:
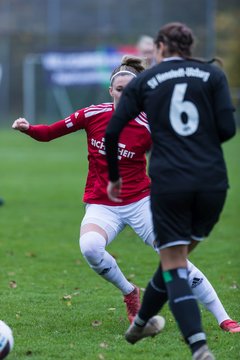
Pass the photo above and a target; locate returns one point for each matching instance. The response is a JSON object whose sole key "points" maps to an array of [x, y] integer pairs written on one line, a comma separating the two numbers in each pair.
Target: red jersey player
{"points": [[104, 219]]}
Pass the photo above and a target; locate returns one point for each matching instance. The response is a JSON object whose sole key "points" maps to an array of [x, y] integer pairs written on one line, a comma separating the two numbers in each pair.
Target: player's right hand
{"points": [[114, 190], [21, 124]]}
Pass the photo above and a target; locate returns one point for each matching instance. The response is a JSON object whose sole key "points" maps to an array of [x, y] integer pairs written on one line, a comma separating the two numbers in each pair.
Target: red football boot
{"points": [[132, 302], [230, 326]]}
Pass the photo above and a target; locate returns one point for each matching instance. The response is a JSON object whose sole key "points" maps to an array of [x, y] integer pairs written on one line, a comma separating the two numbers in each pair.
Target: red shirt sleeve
{"points": [[72, 123]]}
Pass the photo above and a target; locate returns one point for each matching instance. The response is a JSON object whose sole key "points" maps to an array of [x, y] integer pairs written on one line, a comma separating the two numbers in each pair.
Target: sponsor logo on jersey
{"points": [[122, 151]]}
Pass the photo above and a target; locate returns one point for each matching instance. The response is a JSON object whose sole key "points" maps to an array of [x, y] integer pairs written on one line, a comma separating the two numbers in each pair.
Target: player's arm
{"points": [[226, 125], [127, 109], [224, 110], [46, 133]]}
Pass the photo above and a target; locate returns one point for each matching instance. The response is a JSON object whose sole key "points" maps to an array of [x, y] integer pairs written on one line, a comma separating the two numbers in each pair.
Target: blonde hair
{"points": [[144, 41], [130, 64]]}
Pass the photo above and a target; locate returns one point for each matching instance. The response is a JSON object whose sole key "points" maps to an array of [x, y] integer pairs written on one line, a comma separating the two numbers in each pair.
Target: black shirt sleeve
{"points": [[226, 125], [128, 108], [225, 121]]}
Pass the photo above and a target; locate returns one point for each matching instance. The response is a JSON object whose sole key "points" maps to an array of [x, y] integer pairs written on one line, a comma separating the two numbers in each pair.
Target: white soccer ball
{"points": [[6, 339]]}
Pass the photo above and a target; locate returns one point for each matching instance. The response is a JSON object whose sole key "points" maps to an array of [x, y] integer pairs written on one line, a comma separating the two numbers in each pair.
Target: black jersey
{"points": [[190, 114]]}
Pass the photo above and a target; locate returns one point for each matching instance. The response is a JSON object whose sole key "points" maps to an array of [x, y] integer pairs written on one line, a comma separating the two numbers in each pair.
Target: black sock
{"points": [[155, 296], [184, 307]]}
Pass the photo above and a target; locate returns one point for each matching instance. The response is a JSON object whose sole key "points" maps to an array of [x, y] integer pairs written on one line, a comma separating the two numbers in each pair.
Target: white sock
{"points": [[92, 246], [205, 293], [113, 273]]}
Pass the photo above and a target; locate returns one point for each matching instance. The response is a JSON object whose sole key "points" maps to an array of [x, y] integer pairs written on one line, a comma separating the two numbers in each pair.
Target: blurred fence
{"points": [[32, 29]]}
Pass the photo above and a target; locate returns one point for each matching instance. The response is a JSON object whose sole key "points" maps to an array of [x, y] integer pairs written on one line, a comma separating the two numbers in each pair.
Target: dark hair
{"points": [[129, 63], [178, 39]]}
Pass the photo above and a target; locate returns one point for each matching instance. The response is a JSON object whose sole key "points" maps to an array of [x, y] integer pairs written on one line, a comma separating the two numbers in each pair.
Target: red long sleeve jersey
{"points": [[134, 142]]}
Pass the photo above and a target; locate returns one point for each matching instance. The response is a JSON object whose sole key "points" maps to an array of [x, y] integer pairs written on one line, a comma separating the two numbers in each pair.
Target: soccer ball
{"points": [[6, 339]]}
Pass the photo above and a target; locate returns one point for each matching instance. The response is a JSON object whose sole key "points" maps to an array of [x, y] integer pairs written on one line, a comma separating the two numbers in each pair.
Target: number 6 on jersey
{"points": [[179, 108]]}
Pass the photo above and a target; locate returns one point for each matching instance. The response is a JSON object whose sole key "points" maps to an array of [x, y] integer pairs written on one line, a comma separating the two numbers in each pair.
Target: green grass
{"points": [[42, 184]]}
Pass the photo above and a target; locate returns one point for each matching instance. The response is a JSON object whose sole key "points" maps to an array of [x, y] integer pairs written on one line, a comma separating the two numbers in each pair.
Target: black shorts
{"points": [[180, 217]]}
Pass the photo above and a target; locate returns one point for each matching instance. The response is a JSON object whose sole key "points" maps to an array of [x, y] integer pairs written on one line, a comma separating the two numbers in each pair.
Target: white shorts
{"points": [[113, 219]]}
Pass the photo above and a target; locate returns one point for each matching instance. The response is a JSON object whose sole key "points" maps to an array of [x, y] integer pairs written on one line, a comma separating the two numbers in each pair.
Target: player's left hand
{"points": [[114, 190]]}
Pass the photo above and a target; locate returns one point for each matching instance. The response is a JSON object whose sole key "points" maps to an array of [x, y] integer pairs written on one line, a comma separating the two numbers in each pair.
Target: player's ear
{"points": [[110, 91]]}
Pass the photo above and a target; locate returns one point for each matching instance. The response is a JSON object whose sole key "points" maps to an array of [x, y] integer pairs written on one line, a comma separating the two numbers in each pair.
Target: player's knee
{"points": [[92, 246]]}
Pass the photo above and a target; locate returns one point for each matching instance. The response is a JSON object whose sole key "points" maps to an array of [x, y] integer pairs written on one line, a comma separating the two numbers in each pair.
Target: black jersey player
{"points": [[188, 105]]}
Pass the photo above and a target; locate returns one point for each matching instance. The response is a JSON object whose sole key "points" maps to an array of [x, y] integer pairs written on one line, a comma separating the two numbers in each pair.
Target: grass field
{"points": [[56, 305]]}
